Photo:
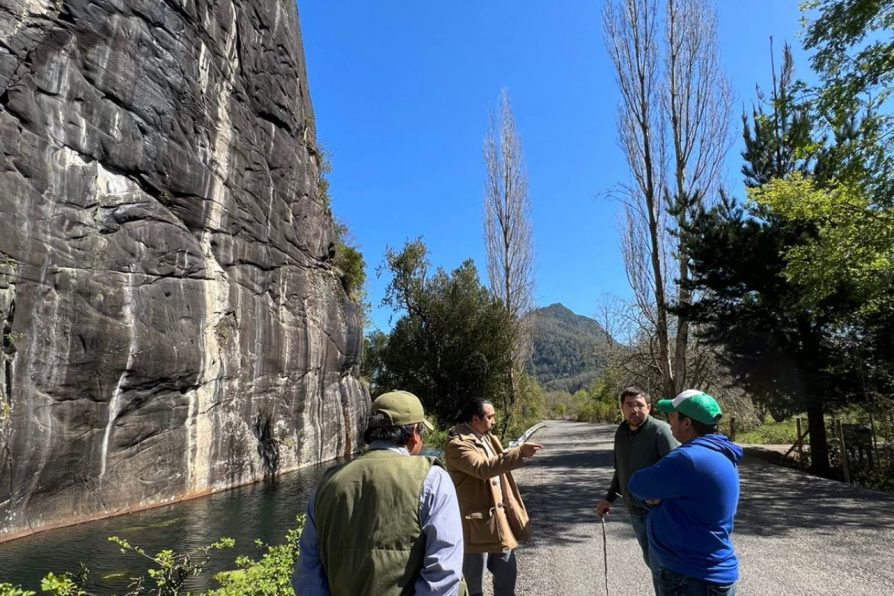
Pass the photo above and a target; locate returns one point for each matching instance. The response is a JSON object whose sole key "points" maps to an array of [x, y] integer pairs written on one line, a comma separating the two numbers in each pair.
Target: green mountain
{"points": [[569, 349]]}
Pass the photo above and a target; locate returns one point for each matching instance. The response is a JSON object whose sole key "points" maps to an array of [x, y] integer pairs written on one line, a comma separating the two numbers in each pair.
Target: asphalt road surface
{"points": [[794, 533]]}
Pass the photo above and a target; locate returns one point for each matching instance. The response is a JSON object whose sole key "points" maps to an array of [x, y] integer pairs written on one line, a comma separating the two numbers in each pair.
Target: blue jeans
{"points": [[671, 583], [642, 536]]}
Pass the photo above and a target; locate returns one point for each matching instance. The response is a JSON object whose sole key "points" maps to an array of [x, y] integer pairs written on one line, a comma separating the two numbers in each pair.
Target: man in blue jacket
{"points": [[694, 492]]}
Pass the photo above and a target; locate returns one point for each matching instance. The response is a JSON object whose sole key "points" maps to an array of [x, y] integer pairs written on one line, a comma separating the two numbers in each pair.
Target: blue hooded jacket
{"points": [[690, 530]]}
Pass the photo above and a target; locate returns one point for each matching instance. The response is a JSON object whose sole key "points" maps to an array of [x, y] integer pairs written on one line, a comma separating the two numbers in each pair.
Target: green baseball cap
{"points": [[696, 404], [402, 407]]}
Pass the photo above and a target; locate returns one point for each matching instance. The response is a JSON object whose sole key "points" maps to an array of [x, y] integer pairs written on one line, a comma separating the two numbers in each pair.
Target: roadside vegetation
{"points": [[770, 433], [168, 572]]}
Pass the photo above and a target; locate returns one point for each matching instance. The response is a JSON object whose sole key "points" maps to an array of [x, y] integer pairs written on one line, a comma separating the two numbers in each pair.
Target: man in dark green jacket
{"points": [[387, 523], [640, 441]]}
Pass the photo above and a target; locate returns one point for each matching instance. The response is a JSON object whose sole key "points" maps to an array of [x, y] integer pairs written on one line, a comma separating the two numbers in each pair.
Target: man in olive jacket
{"points": [[494, 518], [387, 522], [640, 441]]}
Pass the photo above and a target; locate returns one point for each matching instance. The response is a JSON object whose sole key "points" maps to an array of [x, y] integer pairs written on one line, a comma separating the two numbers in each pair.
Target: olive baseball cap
{"points": [[402, 407], [695, 404]]}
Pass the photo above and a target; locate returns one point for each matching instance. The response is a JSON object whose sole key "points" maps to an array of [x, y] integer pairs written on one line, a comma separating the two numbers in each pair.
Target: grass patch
{"points": [[786, 432], [772, 433]]}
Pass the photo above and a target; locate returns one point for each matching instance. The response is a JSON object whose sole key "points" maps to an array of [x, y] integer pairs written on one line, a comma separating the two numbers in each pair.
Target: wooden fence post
{"points": [[800, 441], [843, 454]]}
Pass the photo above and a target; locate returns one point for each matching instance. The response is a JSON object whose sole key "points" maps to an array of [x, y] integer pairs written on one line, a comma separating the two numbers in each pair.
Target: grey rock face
{"points": [[172, 325]]}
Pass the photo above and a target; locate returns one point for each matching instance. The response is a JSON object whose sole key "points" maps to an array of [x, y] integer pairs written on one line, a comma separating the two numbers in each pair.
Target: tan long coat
{"points": [[490, 523]]}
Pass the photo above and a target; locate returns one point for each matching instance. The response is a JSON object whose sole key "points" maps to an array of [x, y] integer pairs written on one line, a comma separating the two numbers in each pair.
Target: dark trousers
{"points": [[671, 583], [501, 565], [639, 522]]}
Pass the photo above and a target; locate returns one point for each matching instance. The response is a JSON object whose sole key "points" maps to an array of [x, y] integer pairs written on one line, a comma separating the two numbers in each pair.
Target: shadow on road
{"points": [[564, 482], [794, 534], [776, 500]]}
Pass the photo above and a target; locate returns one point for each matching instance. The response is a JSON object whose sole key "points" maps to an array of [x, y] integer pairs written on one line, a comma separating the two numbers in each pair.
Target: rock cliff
{"points": [[172, 324]]}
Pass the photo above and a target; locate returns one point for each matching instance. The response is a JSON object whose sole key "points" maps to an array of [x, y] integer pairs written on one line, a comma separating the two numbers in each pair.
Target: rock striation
{"points": [[172, 322]]}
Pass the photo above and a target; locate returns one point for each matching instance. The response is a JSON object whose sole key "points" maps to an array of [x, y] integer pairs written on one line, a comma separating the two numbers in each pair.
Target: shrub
{"points": [[11, 590], [270, 576], [170, 569]]}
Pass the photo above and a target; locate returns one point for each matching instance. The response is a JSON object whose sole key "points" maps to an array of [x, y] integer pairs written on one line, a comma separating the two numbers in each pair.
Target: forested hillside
{"points": [[570, 350]]}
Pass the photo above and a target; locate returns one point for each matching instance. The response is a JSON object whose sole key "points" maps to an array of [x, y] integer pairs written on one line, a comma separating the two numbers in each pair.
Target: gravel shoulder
{"points": [[794, 533]]}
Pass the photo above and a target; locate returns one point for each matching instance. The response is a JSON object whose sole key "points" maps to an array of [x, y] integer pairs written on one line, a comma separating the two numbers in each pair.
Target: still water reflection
{"points": [[261, 511]]}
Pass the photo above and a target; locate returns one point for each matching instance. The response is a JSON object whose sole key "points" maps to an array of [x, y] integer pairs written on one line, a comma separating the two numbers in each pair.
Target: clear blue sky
{"points": [[401, 92]]}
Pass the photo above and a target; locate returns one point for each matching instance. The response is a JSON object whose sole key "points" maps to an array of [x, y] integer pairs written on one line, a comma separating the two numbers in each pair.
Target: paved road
{"points": [[794, 533]]}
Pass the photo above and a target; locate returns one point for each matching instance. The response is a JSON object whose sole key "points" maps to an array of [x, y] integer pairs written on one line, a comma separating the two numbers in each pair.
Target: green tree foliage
{"points": [[350, 264], [324, 167], [371, 366], [772, 346], [795, 284], [452, 341], [530, 407], [598, 402], [843, 268], [854, 58], [854, 49], [778, 142], [852, 205], [851, 246]]}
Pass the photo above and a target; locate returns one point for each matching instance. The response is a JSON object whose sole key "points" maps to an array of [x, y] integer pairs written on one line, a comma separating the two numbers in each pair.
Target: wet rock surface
{"points": [[172, 324]]}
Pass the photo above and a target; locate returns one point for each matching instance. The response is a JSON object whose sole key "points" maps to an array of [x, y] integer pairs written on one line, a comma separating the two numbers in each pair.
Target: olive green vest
{"points": [[367, 516]]}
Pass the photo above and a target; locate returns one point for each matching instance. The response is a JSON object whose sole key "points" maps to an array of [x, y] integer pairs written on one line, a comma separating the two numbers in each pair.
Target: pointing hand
{"points": [[530, 449]]}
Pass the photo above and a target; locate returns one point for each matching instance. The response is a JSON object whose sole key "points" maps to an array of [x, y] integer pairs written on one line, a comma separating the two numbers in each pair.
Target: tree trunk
{"points": [[819, 444]]}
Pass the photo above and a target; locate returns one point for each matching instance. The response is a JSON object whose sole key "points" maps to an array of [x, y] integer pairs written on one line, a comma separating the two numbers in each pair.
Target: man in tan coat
{"points": [[493, 516]]}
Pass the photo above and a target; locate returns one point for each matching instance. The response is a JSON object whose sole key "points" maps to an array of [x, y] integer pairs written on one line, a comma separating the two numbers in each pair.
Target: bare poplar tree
{"points": [[673, 127], [507, 234]]}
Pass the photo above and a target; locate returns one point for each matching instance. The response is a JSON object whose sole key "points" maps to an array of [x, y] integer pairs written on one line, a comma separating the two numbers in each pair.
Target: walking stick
{"points": [[605, 553]]}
